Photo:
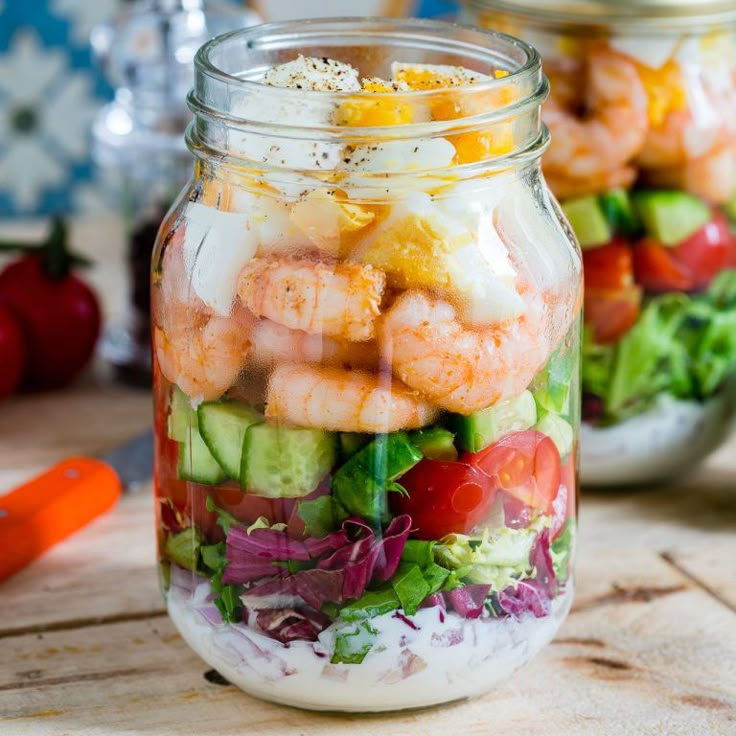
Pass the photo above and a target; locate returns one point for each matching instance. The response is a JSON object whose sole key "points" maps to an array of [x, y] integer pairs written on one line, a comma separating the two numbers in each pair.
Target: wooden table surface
{"points": [[86, 647]]}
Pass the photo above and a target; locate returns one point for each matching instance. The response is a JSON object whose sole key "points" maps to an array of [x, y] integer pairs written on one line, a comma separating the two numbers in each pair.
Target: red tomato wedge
{"points": [[609, 267], [444, 498], [706, 251], [612, 312], [657, 270], [525, 465]]}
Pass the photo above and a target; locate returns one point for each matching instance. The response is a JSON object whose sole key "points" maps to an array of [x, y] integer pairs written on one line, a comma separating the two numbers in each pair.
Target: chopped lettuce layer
{"points": [[682, 345]]}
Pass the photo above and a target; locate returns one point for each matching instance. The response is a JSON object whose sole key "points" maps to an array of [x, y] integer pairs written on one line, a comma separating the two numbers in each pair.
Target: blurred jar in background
{"points": [[272, 10], [147, 56], [642, 114]]}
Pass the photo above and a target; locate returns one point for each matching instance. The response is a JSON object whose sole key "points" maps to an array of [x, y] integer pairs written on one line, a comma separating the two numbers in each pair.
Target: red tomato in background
{"points": [[444, 498], [60, 320], [612, 300], [609, 267], [525, 465], [612, 312], [12, 353], [657, 270], [706, 251]]}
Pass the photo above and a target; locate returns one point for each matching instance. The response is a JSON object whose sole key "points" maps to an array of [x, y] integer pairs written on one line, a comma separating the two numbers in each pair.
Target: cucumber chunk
{"points": [[281, 462], [477, 431], [730, 208], [196, 463], [222, 425], [619, 211], [551, 388], [181, 416], [588, 221], [360, 485], [558, 430], [435, 443], [671, 216]]}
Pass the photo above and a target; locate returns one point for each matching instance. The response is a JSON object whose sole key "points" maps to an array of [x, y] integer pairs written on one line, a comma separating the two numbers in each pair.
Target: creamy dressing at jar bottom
{"points": [[436, 658]]}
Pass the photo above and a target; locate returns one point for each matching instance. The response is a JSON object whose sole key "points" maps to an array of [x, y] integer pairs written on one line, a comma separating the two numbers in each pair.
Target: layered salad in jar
{"points": [[367, 402], [643, 159]]}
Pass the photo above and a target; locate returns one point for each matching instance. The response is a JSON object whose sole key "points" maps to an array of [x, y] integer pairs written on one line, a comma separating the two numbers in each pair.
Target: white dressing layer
{"points": [[439, 662]]}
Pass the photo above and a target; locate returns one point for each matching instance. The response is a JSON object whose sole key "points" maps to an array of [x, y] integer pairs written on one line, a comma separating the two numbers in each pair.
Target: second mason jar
{"points": [[365, 327], [642, 114]]}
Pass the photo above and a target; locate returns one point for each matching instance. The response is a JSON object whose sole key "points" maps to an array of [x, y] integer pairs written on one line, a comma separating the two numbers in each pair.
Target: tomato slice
{"points": [[609, 267], [706, 251], [525, 465], [565, 505], [444, 498], [612, 312], [657, 270]]}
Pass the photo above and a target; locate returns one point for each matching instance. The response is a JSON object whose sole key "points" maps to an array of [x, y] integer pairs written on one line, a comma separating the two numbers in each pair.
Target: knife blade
{"points": [[50, 507], [132, 461]]}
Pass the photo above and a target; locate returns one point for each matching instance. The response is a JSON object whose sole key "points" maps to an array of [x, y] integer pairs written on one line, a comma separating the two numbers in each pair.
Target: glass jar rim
{"points": [[217, 86], [650, 16]]}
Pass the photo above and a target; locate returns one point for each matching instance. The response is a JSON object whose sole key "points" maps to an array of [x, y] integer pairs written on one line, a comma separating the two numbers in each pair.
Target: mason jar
{"points": [[642, 115], [366, 334]]}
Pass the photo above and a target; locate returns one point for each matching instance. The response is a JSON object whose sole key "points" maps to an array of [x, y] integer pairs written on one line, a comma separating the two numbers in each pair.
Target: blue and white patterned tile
{"points": [[50, 90]]}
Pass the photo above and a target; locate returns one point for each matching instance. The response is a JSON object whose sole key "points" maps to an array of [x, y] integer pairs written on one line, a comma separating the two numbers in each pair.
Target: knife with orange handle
{"points": [[52, 506]]}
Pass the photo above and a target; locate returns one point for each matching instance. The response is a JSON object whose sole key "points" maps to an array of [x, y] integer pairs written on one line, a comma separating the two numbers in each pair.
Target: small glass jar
{"points": [[139, 150], [642, 115], [366, 333]]}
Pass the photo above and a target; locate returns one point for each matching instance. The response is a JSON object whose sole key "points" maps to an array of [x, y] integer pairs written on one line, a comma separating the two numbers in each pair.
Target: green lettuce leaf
{"points": [[561, 551], [410, 586], [353, 642], [498, 558]]}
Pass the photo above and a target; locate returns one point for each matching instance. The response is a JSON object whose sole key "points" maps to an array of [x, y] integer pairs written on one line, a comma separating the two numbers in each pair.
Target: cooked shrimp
{"points": [[701, 124], [611, 131], [204, 354], [343, 400], [200, 352], [341, 300], [565, 187], [274, 343], [456, 368], [711, 177]]}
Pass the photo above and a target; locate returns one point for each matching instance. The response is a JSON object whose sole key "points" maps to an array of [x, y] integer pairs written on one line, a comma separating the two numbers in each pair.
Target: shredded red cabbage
{"points": [[541, 559], [367, 558], [527, 597], [268, 544], [468, 601], [292, 624]]}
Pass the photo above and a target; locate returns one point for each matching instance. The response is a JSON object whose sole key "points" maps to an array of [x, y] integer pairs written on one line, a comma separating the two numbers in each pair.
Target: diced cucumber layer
{"points": [[619, 211], [181, 416], [196, 463], [558, 430], [281, 462], [435, 443], [222, 425], [671, 216], [551, 388], [481, 429], [588, 221]]}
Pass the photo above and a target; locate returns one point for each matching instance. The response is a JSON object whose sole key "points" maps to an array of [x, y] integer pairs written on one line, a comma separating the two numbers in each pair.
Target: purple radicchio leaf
{"points": [[527, 597], [468, 601], [330, 543], [292, 624], [269, 544], [436, 600], [368, 558], [244, 568], [541, 559]]}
